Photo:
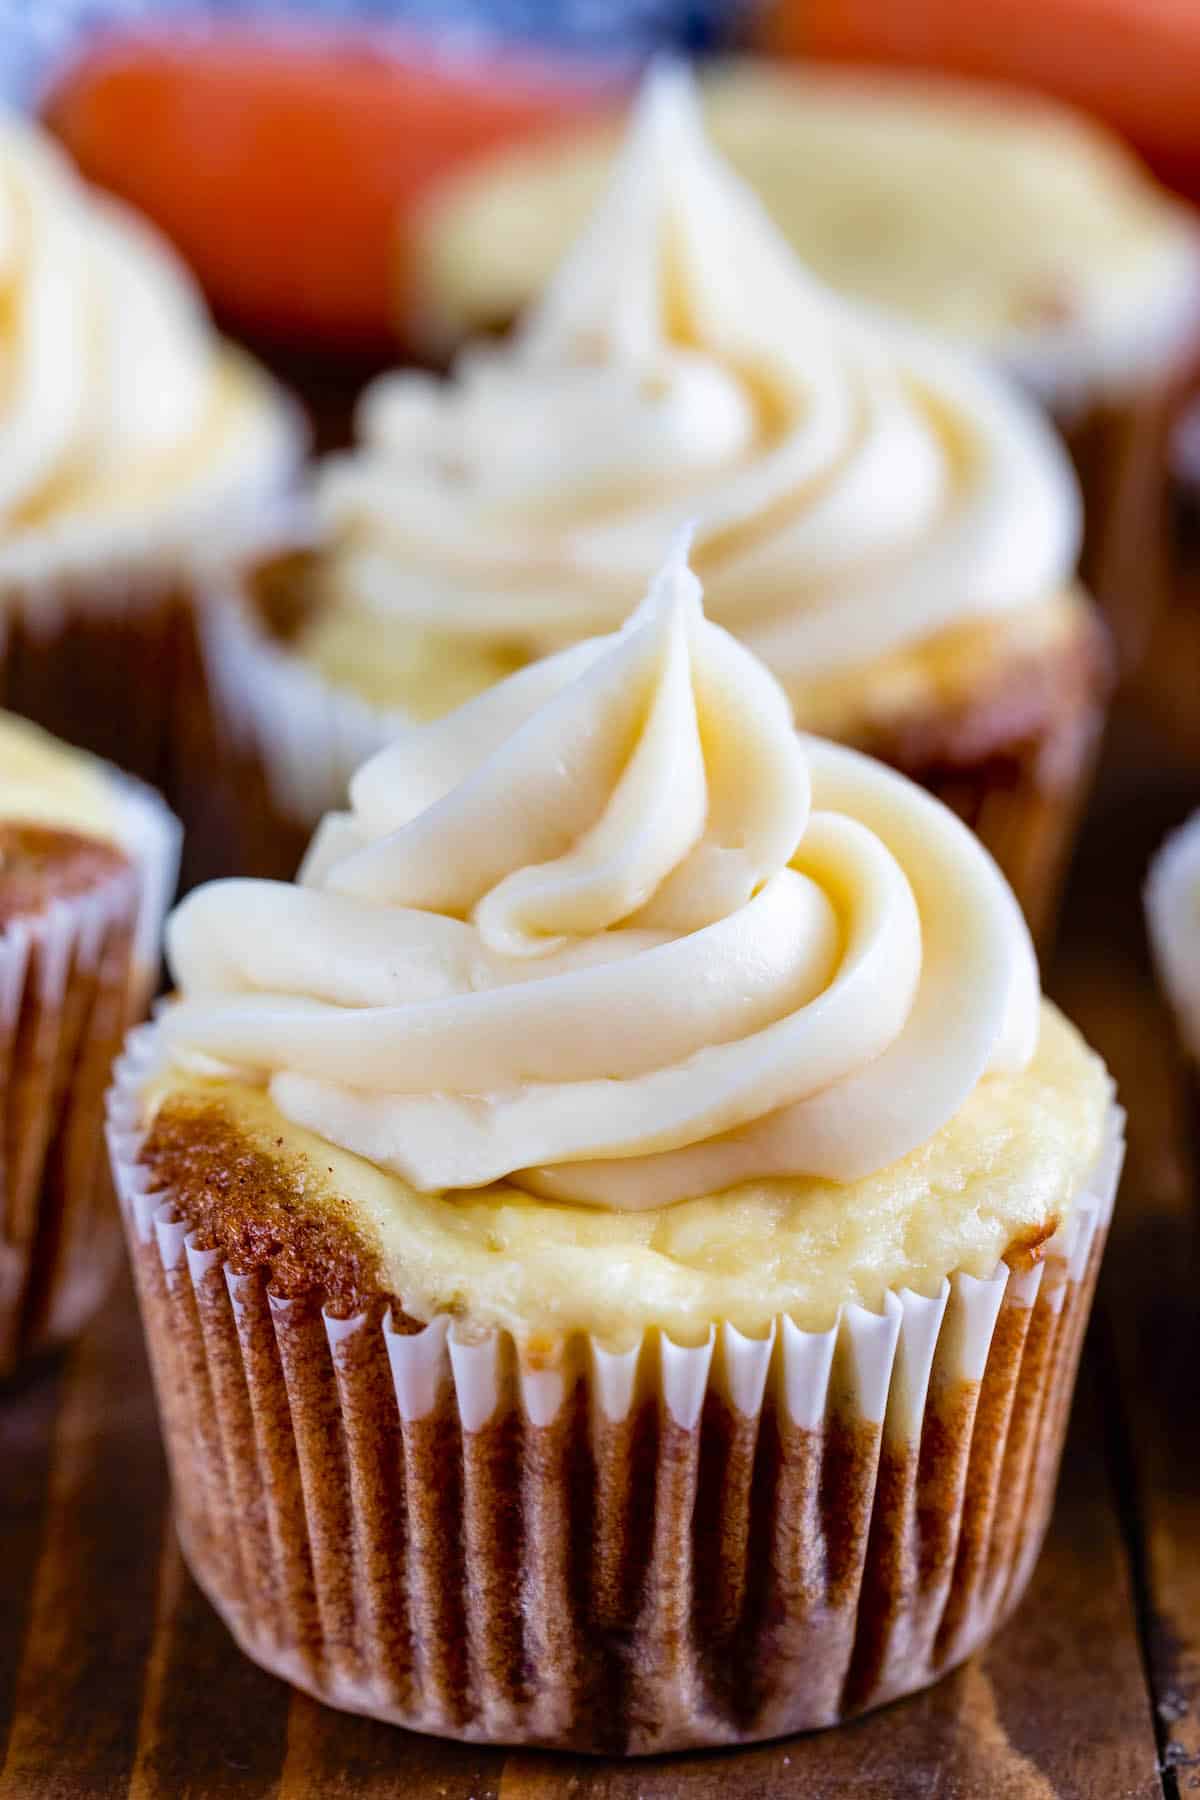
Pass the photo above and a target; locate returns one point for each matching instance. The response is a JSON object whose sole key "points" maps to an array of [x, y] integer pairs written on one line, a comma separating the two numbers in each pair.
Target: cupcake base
{"points": [[1121, 452], [72, 977], [1027, 805], [74, 658], [289, 741], [64, 1006], [113, 665], [614, 1552]]}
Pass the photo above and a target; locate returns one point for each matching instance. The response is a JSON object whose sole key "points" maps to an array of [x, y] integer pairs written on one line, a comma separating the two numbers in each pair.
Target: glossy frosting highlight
{"points": [[615, 933]]}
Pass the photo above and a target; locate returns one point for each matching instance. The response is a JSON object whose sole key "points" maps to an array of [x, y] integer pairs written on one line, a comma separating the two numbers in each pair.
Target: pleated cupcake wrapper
{"points": [[72, 977], [104, 661], [610, 1550], [292, 739], [101, 649]]}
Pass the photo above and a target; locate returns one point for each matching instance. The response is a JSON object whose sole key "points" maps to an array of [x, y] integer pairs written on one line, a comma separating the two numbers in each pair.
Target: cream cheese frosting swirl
{"points": [[614, 932], [1000, 219], [122, 416], [860, 487]]}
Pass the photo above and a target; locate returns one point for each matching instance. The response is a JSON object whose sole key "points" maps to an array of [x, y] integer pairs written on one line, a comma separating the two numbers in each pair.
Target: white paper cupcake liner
{"points": [[151, 834], [72, 977], [663, 1547]]}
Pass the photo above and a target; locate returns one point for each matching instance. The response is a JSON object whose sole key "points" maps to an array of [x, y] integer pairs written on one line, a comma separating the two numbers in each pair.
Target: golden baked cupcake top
{"points": [[45, 782], [124, 420], [861, 490], [613, 1001], [1001, 220]]}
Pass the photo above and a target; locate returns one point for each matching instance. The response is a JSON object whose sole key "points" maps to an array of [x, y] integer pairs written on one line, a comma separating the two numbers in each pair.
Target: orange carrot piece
{"points": [[283, 167]]}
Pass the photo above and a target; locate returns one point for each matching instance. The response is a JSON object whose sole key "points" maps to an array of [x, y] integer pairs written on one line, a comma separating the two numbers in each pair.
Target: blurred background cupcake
{"points": [[133, 443], [87, 869], [345, 177], [998, 220], [360, 188], [890, 526]]}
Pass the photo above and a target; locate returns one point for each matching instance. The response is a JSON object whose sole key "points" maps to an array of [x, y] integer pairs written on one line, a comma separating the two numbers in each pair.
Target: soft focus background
{"points": [[283, 144]]}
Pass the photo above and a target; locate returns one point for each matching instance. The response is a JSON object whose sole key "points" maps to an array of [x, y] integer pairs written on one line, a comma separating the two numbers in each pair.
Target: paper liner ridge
{"points": [[619, 1550]]}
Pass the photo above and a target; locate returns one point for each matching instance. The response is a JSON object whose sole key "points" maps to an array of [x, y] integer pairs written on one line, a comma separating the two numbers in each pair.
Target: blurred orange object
{"points": [[1133, 63], [283, 167]]}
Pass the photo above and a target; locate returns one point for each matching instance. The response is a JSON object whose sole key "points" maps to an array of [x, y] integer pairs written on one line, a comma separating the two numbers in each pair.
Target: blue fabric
{"points": [[37, 35]]}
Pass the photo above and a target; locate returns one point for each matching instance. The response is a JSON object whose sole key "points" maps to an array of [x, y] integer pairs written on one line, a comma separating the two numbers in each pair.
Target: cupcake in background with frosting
{"points": [[1005, 222], [1172, 901], [134, 445], [639, 1143], [892, 528], [87, 869]]}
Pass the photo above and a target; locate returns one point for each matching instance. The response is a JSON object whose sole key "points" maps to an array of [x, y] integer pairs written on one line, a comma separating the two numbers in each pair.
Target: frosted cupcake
{"points": [[891, 528], [1173, 920], [87, 867], [1004, 222], [614, 1239], [132, 444]]}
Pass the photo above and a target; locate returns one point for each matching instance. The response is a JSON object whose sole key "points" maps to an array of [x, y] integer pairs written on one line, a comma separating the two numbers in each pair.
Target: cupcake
{"points": [[1173, 921], [893, 529], [1004, 222], [614, 1238], [87, 867], [133, 444]]}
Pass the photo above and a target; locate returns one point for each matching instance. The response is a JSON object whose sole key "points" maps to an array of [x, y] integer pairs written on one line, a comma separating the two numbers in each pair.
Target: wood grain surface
{"points": [[118, 1683]]}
